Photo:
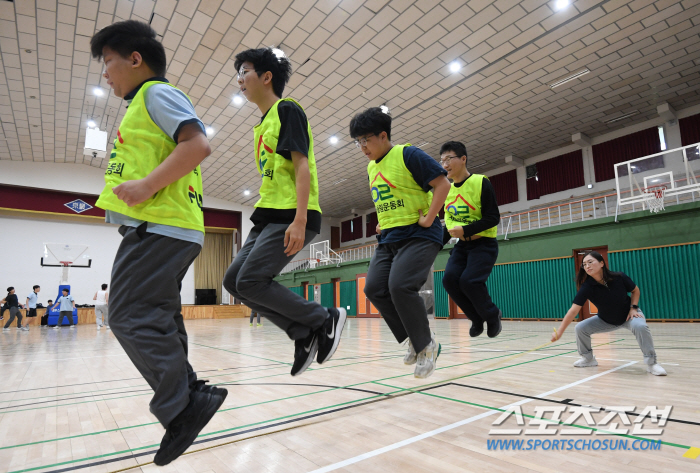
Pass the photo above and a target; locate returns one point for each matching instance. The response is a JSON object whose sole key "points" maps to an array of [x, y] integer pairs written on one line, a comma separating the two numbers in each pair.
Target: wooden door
{"points": [[589, 309], [455, 311], [335, 238], [336, 291], [364, 307]]}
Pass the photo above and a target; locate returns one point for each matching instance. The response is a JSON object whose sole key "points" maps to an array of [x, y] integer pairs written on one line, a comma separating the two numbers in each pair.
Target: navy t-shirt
{"points": [[424, 169], [613, 302]]}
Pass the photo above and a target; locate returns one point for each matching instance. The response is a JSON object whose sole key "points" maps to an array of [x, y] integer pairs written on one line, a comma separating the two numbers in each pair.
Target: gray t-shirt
{"points": [[170, 109]]}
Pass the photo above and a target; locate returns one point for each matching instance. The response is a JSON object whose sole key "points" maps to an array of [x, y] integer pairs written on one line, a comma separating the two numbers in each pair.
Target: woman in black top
{"points": [[13, 304], [608, 291]]}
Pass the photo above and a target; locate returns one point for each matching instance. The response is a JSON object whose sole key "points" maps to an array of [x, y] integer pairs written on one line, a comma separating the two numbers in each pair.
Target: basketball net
{"points": [[654, 198], [65, 272]]}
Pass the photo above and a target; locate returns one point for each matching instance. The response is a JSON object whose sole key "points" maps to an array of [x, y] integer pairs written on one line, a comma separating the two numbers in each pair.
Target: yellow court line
{"points": [[692, 453]]}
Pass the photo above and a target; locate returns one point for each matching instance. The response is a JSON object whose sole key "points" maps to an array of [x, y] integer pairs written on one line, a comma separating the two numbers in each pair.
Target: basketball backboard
{"points": [[62, 254]]}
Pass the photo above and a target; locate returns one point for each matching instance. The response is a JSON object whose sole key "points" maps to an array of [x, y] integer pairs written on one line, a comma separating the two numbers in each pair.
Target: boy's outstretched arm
{"points": [[296, 232], [192, 148]]}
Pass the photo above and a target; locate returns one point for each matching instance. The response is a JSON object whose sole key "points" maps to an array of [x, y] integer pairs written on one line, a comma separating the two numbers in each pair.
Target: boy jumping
{"points": [[410, 233], [154, 191], [287, 216]]}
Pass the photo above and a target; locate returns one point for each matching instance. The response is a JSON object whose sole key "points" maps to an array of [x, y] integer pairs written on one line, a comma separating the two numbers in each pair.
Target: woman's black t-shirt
{"points": [[11, 300], [612, 302]]}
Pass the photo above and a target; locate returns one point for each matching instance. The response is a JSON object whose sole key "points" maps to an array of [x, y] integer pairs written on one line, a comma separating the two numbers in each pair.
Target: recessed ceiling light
{"points": [[91, 124], [626, 115], [560, 4], [334, 140], [569, 77], [98, 91], [455, 66], [278, 52], [384, 109], [246, 192], [209, 130], [237, 100]]}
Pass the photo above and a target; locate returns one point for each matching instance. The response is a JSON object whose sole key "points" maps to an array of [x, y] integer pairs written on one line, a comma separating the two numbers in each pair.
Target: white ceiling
{"points": [[352, 54]]}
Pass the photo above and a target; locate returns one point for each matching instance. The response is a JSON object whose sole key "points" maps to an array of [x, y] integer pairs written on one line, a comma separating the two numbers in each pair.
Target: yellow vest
{"points": [[396, 195], [140, 147], [278, 189], [463, 205]]}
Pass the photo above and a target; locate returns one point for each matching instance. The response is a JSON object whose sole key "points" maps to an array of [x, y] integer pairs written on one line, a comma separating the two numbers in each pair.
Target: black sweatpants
{"points": [[395, 275], [467, 270], [144, 305]]}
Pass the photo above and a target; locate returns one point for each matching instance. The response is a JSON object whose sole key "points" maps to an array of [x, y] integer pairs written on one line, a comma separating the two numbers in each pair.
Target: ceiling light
{"points": [[237, 100], [246, 192], [590, 186], [384, 109], [477, 166], [626, 115], [334, 140], [455, 66], [569, 77], [278, 52], [338, 182], [91, 124], [210, 131], [560, 4], [98, 91]]}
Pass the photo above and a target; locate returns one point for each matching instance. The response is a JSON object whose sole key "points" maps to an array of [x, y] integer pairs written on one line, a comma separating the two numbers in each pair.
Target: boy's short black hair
{"points": [[125, 37], [36, 286], [263, 60], [50, 300], [104, 286], [65, 290], [456, 147], [371, 121]]}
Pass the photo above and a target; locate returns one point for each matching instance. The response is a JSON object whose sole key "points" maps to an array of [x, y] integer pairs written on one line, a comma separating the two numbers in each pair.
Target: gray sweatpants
{"points": [[638, 326], [395, 275], [14, 312], [101, 315], [250, 280], [145, 314]]}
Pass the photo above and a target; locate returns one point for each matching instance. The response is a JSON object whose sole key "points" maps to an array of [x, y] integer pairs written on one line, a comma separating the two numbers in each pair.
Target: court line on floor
{"points": [[469, 420], [91, 393], [224, 431]]}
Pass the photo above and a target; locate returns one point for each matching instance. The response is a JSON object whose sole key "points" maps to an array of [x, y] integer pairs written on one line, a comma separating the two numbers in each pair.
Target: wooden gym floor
{"points": [[72, 401]]}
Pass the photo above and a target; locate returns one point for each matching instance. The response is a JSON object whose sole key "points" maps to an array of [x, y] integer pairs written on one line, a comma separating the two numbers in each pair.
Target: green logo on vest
{"points": [[382, 191], [456, 208]]}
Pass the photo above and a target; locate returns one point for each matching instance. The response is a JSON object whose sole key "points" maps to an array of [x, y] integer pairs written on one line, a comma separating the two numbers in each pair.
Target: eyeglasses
{"points": [[242, 71], [586, 264], [360, 142], [446, 159]]}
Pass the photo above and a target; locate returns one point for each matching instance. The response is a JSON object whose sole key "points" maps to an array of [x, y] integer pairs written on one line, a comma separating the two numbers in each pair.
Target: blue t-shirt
{"points": [[170, 109], [31, 300], [66, 303], [424, 169]]}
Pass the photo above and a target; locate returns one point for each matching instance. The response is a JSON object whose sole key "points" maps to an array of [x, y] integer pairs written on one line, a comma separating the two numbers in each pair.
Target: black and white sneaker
{"points": [[329, 334], [493, 327], [202, 386], [304, 353]]}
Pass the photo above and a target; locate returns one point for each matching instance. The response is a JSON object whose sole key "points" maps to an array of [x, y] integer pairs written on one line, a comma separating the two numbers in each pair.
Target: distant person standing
{"points": [[253, 313], [31, 305], [67, 305], [13, 305], [101, 312]]}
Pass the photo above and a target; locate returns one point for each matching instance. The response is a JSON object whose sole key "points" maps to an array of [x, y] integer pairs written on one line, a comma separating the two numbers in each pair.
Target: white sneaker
{"points": [[108, 328], [584, 362], [427, 360], [57, 327], [411, 355], [656, 369], [72, 326], [25, 328], [5, 329], [99, 327]]}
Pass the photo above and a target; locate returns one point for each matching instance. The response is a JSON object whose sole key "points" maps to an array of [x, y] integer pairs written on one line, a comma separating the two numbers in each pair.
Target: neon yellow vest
{"points": [[463, 205], [140, 147], [396, 195], [278, 189]]}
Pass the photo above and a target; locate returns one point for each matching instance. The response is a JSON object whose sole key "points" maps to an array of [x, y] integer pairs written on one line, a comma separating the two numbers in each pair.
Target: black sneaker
{"points": [[304, 353], [329, 334], [184, 428], [202, 386], [493, 327], [477, 327]]}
